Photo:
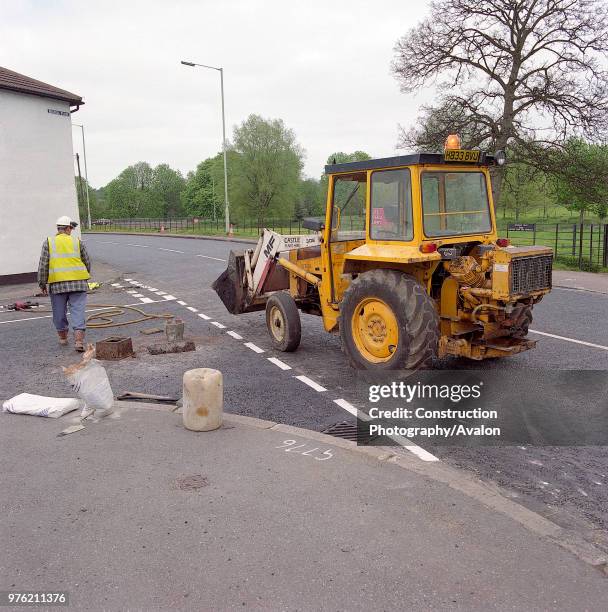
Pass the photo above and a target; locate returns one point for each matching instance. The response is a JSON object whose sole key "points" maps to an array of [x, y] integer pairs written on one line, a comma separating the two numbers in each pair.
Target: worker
{"points": [[65, 266]]}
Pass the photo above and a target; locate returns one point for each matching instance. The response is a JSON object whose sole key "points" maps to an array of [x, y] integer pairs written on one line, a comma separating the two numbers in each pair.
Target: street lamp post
{"points": [[86, 175], [221, 71]]}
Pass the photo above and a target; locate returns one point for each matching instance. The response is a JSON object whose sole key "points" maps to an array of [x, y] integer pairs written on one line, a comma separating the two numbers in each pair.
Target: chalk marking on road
{"points": [[192, 309], [279, 363], [311, 383], [209, 257], [234, 335], [597, 346], [170, 250], [204, 316], [254, 347], [182, 303], [218, 324], [146, 300], [168, 296], [347, 406], [87, 310]]}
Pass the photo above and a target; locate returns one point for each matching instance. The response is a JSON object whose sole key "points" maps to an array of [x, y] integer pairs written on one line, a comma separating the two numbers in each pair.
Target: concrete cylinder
{"points": [[203, 399]]}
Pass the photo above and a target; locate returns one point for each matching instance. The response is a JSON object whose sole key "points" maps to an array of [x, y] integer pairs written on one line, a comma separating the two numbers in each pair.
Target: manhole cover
{"points": [[190, 483]]}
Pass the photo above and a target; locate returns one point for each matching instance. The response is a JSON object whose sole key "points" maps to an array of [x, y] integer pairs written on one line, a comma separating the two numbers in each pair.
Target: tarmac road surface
{"points": [[315, 388]]}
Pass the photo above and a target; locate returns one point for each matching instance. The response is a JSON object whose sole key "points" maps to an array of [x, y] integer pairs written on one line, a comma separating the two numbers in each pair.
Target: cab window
{"points": [[391, 205], [455, 203], [348, 207]]}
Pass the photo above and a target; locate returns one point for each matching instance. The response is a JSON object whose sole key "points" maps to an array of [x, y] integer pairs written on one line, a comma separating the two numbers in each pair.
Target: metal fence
{"points": [[584, 246], [581, 245]]}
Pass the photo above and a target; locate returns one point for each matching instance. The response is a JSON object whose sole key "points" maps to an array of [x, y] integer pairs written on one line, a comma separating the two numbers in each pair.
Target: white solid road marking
{"points": [[279, 363], [170, 250], [168, 297], [146, 300], [218, 324], [597, 346], [254, 347], [182, 303], [209, 257], [233, 334], [347, 406], [311, 383], [204, 316], [192, 309]]}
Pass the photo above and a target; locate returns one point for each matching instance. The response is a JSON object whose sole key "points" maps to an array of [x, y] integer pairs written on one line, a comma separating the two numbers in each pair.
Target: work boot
{"points": [[63, 337], [79, 340]]}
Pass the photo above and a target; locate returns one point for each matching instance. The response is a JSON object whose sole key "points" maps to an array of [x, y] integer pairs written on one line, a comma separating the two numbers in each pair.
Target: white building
{"points": [[36, 169]]}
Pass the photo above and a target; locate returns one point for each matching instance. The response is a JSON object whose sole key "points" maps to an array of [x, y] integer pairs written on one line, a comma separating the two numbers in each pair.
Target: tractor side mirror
{"points": [[316, 224]]}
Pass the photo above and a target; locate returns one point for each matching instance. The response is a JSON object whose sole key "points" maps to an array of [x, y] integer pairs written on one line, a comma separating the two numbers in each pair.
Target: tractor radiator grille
{"points": [[531, 273]]}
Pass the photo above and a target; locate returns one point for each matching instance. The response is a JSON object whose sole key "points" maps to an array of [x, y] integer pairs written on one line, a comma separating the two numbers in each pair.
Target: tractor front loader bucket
{"points": [[229, 285]]}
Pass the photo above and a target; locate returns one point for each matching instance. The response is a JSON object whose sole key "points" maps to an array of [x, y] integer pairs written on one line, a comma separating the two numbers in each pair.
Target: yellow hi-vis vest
{"points": [[64, 259]]}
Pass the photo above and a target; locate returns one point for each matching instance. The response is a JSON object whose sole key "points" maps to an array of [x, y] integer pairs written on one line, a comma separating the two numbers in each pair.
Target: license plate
{"points": [[461, 155]]}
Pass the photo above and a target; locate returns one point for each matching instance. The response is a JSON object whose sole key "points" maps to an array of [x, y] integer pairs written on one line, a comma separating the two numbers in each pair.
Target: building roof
{"points": [[401, 160], [13, 81]]}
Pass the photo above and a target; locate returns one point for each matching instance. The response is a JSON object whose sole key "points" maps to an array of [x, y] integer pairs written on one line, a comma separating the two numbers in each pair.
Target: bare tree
{"points": [[519, 72]]}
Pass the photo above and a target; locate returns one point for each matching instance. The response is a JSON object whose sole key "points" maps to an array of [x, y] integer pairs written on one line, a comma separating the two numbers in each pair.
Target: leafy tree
{"points": [[81, 193], [519, 72], [168, 184], [267, 169], [580, 172], [309, 198], [525, 188], [199, 197], [131, 195]]}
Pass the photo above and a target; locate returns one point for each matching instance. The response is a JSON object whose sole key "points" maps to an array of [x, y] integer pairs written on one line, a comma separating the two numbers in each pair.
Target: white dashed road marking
{"points": [[254, 347], [347, 406], [279, 363], [182, 303], [146, 300], [170, 250], [311, 383], [138, 295], [168, 297], [192, 309], [597, 346], [234, 335], [204, 316], [218, 324]]}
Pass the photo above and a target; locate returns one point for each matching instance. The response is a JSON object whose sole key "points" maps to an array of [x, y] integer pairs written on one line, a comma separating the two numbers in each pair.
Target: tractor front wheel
{"points": [[283, 322], [388, 322]]}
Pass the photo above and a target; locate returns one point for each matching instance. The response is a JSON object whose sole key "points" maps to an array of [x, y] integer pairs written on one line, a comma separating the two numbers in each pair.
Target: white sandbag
{"points": [[90, 383], [39, 405]]}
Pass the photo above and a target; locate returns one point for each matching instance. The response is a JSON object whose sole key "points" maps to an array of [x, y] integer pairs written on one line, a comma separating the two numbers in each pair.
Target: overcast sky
{"points": [[322, 67]]}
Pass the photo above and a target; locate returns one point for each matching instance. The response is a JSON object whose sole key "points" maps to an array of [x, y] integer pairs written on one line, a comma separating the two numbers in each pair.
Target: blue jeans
{"points": [[77, 301]]}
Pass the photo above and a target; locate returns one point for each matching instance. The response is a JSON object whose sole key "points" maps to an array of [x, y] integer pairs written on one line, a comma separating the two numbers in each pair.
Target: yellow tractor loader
{"points": [[406, 265]]}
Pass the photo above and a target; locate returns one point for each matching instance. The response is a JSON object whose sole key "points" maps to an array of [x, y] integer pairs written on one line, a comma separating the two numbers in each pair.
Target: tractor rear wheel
{"points": [[388, 322], [283, 322]]}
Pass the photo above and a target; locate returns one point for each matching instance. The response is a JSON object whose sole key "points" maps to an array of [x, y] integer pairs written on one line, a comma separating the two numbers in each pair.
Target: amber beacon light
{"points": [[452, 142]]}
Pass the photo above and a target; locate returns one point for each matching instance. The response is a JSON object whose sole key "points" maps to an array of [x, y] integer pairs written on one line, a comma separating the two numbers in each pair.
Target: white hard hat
{"points": [[65, 221]]}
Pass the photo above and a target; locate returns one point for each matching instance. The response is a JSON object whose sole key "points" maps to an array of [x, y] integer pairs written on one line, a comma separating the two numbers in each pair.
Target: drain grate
{"points": [[344, 429]]}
